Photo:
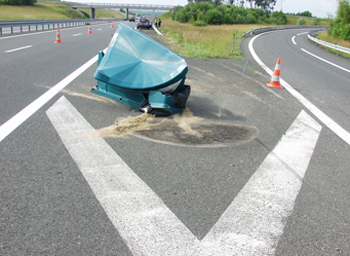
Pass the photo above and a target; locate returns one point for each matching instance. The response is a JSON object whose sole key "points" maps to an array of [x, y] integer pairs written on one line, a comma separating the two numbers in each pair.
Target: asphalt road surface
{"points": [[244, 170]]}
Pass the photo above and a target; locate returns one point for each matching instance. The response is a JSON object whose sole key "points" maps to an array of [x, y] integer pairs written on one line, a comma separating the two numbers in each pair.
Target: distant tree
{"points": [[305, 14], [266, 4]]}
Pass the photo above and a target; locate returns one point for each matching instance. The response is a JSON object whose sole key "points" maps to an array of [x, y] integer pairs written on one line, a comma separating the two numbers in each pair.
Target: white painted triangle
{"points": [[251, 225]]}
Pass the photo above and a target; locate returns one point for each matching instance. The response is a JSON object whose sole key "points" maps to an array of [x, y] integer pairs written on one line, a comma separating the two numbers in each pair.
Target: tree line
{"points": [[201, 13], [263, 4], [18, 2]]}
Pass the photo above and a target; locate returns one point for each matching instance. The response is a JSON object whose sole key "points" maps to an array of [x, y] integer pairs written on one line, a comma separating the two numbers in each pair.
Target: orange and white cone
{"points": [[275, 79], [90, 32], [58, 37], [112, 25]]}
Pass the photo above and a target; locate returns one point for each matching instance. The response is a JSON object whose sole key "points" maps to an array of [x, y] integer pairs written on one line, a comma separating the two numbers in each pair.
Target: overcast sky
{"points": [[318, 8]]}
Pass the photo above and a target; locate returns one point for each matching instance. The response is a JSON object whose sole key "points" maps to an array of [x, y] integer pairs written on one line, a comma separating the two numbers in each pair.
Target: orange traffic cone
{"points": [[58, 37], [275, 79], [112, 25], [90, 32]]}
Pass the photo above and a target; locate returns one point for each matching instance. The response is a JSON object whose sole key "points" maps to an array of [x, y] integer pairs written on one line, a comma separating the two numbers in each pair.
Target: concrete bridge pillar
{"points": [[127, 13], [92, 13]]}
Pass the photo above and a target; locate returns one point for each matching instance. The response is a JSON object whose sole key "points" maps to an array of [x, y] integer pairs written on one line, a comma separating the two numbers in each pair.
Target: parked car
{"points": [[144, 23], [132, 19]]}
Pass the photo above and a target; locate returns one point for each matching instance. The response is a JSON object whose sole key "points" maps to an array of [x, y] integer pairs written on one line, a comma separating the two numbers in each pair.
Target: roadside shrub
{"points": [[240, 19], [228, 19], [345, 32], [340, 27], [200, 23], [281, 18], [250, 19], [301, 22], [316, 21], [214, 17]]}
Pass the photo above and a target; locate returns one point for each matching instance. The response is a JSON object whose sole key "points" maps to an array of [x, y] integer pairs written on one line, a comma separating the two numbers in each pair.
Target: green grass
{"points": [[325, 37], [293, 20], [53, 10], [207, 41]]}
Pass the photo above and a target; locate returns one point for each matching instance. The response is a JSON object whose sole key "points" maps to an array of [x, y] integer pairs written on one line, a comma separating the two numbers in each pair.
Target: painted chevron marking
{"points": [[251, 225]]}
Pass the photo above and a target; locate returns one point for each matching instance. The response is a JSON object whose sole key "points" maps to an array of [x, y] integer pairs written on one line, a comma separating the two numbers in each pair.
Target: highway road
{"points": [[245, 170]]}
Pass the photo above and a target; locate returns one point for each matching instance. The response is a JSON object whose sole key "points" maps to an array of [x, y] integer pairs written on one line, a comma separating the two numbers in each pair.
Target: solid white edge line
{"points": [[326, 61], [293, 40], [326, 120], [10, 125], [19, 48]]}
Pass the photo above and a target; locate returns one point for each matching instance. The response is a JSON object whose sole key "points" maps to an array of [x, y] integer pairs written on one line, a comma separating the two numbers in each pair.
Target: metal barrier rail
{"points": [[46, 24], [266, 29], [312, 34]]}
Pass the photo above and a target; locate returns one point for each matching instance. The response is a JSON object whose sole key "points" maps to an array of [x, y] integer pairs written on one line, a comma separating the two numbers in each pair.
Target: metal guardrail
{"points": [[257, 31], [38, 25], [312, 37]]}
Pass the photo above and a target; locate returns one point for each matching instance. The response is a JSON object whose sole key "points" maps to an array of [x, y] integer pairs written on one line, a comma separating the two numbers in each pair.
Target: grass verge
{"points": [[325, 37], [50, 11], [206, 41]]}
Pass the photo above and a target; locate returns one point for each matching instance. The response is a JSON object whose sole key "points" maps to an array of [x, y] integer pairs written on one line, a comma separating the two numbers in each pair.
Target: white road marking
{"points": [[328, 62], [146, 224], [77, 34], [99, 29], [302, 33], [19, 48], [293, 40], [252, 223], [25, 113], [326, 120], [255, 220]]}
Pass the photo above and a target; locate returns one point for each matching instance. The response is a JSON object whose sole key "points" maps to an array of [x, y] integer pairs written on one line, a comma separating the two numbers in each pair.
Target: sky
{"points": [[318, 8]]}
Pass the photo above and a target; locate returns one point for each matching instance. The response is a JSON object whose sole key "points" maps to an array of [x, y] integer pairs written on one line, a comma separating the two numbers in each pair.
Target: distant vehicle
{"points": [[132, 19], [144, 23]]}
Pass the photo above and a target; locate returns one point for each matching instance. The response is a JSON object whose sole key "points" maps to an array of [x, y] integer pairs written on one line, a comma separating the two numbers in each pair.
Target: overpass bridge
{"points": [[93, 6]]}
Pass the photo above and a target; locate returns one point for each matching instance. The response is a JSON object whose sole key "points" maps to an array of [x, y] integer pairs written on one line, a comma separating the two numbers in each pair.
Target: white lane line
{"points": [[293, 40], [326, 120], [99, 29], [146, 224], [25, 113], [255, 220], [77, 34], [19, 48], [302, 33], [252, 223], [328, 62]]}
